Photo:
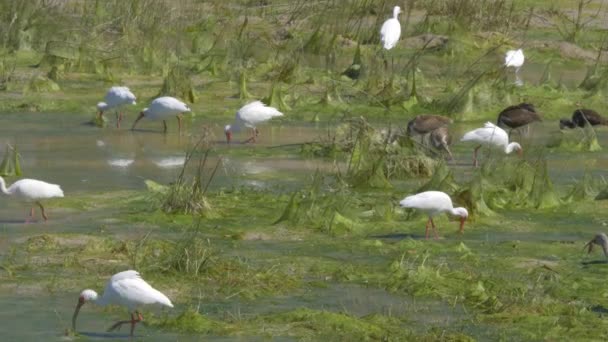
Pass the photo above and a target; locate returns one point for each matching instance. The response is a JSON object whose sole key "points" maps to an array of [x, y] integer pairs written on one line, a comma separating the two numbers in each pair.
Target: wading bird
{"points": [[31, 190], [433, 203], [517, 116], [492, 136], [163, 108], [125, 289], [250, 115], [580, 117], [441, 140], [601, 240], [423, 124], [391, 30], [116, 98], [515, 59]]}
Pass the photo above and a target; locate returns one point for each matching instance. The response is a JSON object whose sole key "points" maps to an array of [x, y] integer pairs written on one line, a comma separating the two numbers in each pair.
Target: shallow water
{"points": [[81, 158]]}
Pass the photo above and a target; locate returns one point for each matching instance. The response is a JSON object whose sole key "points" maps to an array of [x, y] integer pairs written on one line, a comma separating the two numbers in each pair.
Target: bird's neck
{"points": [[509, 148], [101, 300], [396, 15], [3, 187]]}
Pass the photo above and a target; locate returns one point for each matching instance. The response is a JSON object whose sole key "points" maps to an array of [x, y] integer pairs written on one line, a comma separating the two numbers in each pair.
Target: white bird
{"points": [[116, 98], [31, 190], [515, 59], [391, 30], [125, 289], [433, 203], [250, 115], [163, 108], [492, 136]]}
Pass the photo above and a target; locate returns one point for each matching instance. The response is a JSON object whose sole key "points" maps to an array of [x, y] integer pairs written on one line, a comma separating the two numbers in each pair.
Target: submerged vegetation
{"points": [[324, 255]]}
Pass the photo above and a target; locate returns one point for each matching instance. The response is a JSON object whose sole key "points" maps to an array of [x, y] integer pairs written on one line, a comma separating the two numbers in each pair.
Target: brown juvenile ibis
{"points": [[580, 117], [601, 240], [423, 124], [441, 140], [517, 116]]}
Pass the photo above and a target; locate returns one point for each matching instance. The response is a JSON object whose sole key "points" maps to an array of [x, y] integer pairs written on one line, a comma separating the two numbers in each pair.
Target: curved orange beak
{"points": [[462, 220]]}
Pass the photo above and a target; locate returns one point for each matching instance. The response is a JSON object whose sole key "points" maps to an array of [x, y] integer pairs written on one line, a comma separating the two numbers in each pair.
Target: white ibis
{"points": [[163, 108], [391, 30], [125, 289], [433, 203], [31, 190], [116, 98], [250, 115], [515, 59], [492, 136]]}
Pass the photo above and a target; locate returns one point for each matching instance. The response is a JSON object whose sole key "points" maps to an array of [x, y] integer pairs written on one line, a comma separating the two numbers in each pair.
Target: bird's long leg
{"points": [[426, 231], [475, 156], [27, 220], [135, 318], [179, 122], [118, 119], [42, 210], [434, 229], [164, 126]]}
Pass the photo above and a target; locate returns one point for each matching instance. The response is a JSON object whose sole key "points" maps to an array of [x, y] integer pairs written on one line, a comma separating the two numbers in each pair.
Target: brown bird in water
{"points": [[600, 239], [441, 139], [423, 124], [580, 117], [517, 116]]}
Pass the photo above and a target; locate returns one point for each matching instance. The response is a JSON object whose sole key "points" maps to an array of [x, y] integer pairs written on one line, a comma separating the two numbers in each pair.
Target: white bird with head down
{"points": [[391, 30], [163, 108], [125, 289], [116, 98], [492, 136], [515, 59], [433, 203], [249, 116], [31, 190]]}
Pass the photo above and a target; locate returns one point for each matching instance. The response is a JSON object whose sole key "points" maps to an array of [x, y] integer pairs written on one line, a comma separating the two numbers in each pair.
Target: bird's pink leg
{"points": [[475, 164], [251, 138], [134, 320], [254, 133], [426, 231], [179, 122], [434, 229], [164, 126], [119, 120], [27, 220], [42, 210]]}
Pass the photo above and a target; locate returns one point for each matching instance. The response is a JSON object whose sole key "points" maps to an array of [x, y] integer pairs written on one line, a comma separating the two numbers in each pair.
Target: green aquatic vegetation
{"points": [[178, 84], [577, 140], [441, 180], [11, 165], [188, 321], [40, 84], [276, 98]]}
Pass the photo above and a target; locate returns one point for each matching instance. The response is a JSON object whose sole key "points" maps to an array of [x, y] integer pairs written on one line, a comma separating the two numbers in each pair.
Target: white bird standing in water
{"points": [[163, 108], [433, 203], [125, 289], [492, 136], [31, 190], [116, 98], [250, 115], [391, 30], [515, 59]]}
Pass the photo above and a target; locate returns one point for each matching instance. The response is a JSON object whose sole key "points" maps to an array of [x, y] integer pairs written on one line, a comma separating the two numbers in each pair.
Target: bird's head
{"points": [[396, 11], [102, 107], [566, 123], [85, 296], [463, 213], [228, 132], [141, 115]]}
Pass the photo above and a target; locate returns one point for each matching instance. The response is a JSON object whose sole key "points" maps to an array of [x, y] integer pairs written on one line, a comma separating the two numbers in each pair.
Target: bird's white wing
{"points": [[490, 133], [427, 201], [256, 112], [129, 289], [390, 33], [166, 106], [118, 96], [35, 189]]}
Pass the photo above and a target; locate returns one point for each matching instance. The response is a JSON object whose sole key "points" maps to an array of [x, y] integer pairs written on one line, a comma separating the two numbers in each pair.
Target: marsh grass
{"points": [[11, 164]]}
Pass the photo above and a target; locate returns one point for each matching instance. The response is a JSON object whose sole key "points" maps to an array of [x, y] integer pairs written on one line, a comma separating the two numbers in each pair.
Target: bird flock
{"points": [[128, 289]]}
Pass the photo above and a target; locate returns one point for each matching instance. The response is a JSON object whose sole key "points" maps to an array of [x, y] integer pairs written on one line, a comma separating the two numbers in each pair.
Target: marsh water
{"points": [[62, 149]]}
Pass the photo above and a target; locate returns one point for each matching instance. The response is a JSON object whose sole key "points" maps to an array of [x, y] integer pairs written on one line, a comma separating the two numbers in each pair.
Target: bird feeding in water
{"points": [[581, 117], [492, 136], [32, 190], [441, 140], [163, 108], [423, 124], [126, 289], [515, 59], [115, 98], [250, 115], [518, 116], [433, 203]]}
